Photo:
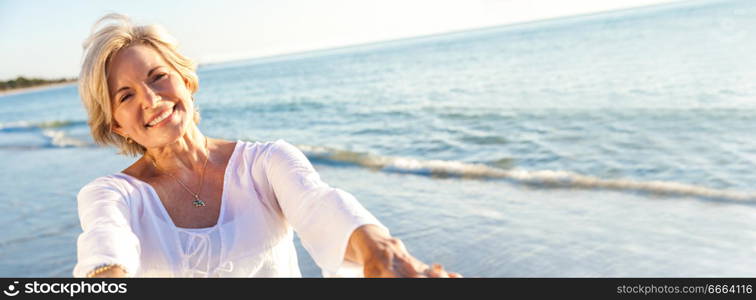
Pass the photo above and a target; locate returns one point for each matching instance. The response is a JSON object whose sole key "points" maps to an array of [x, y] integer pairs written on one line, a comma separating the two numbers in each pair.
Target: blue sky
{"points": [[43, 38]]}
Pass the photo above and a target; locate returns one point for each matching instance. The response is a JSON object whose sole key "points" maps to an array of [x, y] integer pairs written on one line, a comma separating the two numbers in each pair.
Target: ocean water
{"points": [[614, 144]]}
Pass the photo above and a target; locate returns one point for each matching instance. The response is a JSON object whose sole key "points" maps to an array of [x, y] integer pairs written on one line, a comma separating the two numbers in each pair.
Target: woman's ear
{"points": [[114, 127]]}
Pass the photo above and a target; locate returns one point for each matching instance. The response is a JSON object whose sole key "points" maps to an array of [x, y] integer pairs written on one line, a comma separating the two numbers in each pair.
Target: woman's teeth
{"points": [[160, 118]]}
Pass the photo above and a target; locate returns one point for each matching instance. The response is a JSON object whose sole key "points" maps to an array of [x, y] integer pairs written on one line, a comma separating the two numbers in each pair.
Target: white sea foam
{"points": [[546, 178], [17, 124], [55, 130], [39, 124], [59, 138]]}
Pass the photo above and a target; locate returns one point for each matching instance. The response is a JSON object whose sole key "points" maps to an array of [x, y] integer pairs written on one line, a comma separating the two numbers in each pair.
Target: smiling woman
{"points": [[96, 84], [194, 206], [140, 70]]}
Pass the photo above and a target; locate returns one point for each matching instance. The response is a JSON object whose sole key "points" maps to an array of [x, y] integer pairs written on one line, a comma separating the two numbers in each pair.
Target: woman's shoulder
{"points": [[116, 184], [257, 157], [261, 144], [113, 187], [115, 180], [263, 149]]}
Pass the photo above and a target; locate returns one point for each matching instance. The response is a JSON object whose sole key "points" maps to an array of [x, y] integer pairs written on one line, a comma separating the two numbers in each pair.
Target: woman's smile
{"points": [[166, 117]]}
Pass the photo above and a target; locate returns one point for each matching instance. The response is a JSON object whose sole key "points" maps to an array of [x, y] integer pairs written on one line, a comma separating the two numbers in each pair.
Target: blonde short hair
{"points": [[99, 49]]}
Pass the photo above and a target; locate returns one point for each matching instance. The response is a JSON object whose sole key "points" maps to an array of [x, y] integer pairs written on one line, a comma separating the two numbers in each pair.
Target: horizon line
{"points": [[313, 51]]}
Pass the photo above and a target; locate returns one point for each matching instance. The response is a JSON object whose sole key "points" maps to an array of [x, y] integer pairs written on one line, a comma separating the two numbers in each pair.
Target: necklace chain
{"points": [[197, 202]]}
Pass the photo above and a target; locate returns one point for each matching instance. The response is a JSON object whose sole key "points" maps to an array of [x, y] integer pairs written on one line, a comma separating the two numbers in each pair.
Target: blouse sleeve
{"points": [[107, 237], [324, 217]]}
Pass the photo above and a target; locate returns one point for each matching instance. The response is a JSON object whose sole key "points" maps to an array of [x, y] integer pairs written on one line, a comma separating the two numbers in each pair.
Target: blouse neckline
{"points": [[221, 214]]}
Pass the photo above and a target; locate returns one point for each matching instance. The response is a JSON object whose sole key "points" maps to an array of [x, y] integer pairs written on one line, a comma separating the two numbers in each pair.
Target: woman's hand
{"points": [[385, 256]]}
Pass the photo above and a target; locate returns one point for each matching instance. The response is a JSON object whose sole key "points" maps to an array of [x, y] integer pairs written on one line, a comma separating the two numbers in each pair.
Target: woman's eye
{"points": [[159, 76], [125, 97]]}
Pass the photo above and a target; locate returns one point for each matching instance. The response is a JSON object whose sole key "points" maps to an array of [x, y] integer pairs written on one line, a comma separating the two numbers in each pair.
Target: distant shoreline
{"points": [[35, 88]]}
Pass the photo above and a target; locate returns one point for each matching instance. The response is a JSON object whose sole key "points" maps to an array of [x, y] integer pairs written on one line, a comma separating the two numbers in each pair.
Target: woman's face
{"points": [[151, 102]]}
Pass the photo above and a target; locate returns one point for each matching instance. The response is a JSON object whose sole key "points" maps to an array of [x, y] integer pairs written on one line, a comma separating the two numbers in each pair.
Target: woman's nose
{"points": [[150, 98]]}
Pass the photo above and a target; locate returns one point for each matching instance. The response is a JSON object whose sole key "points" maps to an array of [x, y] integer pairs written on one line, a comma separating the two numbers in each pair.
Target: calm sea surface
{"points": [[617, 144]]}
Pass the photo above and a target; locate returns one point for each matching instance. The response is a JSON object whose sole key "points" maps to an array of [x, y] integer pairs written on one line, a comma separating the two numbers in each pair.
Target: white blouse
{"points": [[270, 190]]}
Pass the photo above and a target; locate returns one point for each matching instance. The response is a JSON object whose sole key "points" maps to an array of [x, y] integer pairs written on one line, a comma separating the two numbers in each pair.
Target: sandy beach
{"points": [[35, 88]]}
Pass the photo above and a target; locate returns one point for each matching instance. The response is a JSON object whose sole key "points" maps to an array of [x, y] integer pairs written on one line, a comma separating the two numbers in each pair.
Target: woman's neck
{"points": [[187, 154]]}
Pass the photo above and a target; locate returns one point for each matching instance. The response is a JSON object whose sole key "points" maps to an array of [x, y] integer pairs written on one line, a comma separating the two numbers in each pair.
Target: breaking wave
{"points": [[543, 178]]}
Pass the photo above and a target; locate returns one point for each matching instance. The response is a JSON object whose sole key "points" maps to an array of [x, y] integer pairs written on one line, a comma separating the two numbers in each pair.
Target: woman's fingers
{"points": [[416, 267], [437, 271]]}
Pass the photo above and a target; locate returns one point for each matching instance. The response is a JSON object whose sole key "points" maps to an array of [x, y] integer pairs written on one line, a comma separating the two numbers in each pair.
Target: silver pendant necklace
{"points": [[197, 201]]}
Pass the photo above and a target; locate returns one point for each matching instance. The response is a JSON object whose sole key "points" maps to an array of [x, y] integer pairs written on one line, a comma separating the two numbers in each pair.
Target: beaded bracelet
{"points": [[102, 268]]}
